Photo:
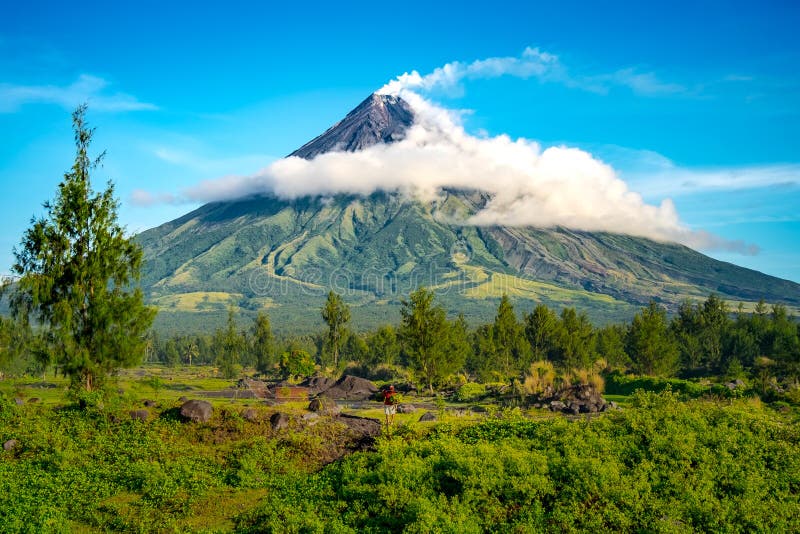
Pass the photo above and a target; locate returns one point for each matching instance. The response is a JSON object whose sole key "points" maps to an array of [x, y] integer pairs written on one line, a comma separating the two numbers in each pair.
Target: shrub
{"points": [[470, 392], [541, 376]]}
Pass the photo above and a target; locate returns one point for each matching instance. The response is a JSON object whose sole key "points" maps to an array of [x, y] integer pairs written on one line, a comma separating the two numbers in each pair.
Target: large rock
{"points": [[428, 416], [406, 408], [324, 405], [10, 445], [139, 415], [198, 411], [366, 426], [279, 421], [318, 384], [252, 415], [351, 388]]}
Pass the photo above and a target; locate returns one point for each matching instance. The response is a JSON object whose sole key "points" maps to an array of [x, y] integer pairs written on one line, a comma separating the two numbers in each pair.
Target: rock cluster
{"points": [[578, 399]]}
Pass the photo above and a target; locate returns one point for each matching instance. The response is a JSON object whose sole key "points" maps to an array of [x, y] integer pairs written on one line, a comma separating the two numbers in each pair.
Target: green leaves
{"points": [[76, 267], [336, 315]]}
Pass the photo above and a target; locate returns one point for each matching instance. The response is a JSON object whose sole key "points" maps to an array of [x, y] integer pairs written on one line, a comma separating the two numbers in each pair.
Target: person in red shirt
{"points": [[389, 405]]}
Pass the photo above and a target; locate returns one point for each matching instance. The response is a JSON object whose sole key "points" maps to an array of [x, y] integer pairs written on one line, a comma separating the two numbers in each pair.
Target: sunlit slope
{"points": [[266, 253]]}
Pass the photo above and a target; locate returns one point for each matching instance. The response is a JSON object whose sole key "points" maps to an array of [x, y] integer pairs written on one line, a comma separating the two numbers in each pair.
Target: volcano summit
{"points": [[285, 254]]}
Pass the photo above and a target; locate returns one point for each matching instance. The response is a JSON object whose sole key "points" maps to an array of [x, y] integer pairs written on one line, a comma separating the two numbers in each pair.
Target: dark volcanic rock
{"points": [[139, 415], [351, 388], [378, 119], [252, 415], [318, 384], [279, 421], [366, 429], [363, 425], [197, 410], [324, 405], [149, 403], [578, 399]]}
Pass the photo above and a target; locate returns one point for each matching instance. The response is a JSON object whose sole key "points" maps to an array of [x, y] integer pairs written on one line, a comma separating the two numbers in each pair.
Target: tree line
{"points": [[702, 339]]}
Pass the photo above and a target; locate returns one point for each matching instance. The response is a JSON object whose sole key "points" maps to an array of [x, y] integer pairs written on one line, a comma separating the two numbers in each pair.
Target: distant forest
{"points": [[434, 347]]}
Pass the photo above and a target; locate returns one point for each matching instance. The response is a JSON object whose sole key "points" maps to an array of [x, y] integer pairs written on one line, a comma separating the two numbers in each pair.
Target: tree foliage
{"points": [[263, 344], [424, 332], [336, 315], [230, 346], [76, 269], [650, 343]]}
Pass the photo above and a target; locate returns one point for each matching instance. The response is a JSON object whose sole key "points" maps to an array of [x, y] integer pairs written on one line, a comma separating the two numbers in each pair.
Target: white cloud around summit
{"points": [[529, 185]]}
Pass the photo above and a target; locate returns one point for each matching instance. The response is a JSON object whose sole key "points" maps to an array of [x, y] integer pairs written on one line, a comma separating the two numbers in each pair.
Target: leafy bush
{"points": [[470, 392], [621, 384], [659, 466]]}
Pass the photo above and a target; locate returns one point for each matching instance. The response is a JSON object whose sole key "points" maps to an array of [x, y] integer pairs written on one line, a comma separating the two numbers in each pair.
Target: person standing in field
{"points": [[389, 405]]}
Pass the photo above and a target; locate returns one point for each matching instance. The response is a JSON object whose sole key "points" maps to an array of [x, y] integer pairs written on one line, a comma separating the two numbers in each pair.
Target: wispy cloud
{"points": [[532, 63], [190, 159], [87, 88], [655, 175], [140, 197]]}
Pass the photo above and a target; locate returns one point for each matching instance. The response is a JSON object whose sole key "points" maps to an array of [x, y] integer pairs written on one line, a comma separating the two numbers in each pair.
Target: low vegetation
{"points": [[661, 464]]}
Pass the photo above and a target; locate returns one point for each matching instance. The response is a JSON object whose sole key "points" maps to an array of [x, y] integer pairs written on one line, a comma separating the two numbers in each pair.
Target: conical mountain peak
{"points": [[378, 119]]}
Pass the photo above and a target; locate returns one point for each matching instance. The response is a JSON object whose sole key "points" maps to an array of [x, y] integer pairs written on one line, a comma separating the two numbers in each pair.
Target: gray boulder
{"points": [[19, 402], [406, 408], [351, 388], [557, 406], [279, 421], [198, 411], [10, 445], [324, 405], [428, 416], [252, 415], [139, 415]]}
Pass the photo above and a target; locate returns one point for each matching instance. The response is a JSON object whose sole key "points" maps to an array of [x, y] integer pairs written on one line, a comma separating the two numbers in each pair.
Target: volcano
{"points": [[283, 256]]}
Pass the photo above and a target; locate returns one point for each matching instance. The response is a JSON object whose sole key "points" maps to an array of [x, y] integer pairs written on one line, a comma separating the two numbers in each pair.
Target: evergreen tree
{"points": [[230, 346], [574, 340], [686, 328], [458, 345], [651, 345], [541, 326], [336, 315], [263, 344], [511, 352], [383, 346], [76, 268], [610, 344], [424, 333], [785, 343], [481, 358], [355, 348], [714, 323]]}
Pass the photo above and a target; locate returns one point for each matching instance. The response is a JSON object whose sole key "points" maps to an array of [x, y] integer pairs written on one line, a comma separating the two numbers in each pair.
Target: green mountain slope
{"points": [[262, 252], [265, 253]]}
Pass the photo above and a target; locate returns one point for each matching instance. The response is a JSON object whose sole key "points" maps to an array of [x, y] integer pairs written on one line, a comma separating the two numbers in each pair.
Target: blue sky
{"points": [[697, 102]]}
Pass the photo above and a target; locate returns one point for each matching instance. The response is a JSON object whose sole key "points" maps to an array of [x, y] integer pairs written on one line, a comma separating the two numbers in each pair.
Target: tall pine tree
{"points": [[77, 273]]}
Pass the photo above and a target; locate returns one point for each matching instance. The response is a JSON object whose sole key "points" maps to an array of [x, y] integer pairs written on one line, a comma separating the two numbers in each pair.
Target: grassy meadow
{"points": [[663, 463]]}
